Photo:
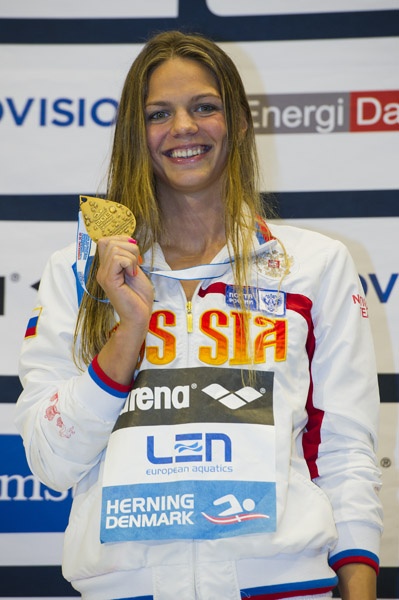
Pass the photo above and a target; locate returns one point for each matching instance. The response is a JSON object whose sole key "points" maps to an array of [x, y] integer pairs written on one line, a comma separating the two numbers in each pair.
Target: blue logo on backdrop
{"points": [[59, 112], [26, 505], [382, 290]]}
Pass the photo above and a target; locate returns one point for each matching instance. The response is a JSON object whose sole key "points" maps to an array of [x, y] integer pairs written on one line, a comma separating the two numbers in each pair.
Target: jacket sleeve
{"points": [[65, 414], [345, 410]]}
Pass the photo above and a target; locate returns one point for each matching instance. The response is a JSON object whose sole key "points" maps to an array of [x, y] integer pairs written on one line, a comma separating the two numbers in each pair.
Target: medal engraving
{"points": [[104, 218]]}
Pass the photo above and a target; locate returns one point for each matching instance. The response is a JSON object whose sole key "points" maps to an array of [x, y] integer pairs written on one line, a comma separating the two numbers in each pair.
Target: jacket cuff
{"points": [[357, 543], [354, 555], [106, 383]]}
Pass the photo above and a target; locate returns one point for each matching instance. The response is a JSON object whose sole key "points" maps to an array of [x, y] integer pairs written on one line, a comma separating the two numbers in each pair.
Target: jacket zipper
{"points": [[189, 316]]}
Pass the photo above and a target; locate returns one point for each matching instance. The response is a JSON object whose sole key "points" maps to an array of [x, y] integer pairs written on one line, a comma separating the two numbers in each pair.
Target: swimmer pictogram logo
{"points": [[232, 400], [235, 512]]}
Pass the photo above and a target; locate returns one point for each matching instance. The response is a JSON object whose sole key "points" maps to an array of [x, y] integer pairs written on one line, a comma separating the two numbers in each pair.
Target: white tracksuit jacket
{"points": [[216, 486]]}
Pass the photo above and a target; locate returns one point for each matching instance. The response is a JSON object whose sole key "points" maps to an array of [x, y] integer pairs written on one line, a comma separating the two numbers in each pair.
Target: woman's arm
{"points": [[346, 404], [357, 582], [66, 415]]}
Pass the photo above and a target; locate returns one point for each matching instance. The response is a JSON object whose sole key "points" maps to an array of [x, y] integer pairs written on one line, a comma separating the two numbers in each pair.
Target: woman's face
{"points": [[186, 127]]}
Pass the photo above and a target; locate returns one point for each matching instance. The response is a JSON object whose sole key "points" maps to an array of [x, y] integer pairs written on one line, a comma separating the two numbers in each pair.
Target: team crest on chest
{"points": [[272, 302], [274, 263]]}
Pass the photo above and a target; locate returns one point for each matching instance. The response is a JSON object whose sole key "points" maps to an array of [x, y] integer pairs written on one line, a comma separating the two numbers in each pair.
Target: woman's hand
{"points": [[127, 287], [131, 294]]}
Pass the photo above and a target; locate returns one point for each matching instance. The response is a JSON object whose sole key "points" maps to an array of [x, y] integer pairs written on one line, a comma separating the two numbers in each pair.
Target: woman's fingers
{"points": [[118, 255], [129, 290]]}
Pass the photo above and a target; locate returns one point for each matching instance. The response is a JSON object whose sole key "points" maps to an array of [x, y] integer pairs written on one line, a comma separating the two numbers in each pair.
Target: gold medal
{"points": [[104, 218]]}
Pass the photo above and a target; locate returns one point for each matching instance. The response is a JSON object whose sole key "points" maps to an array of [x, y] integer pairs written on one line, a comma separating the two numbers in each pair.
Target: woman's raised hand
{"points": [[129, 290]]}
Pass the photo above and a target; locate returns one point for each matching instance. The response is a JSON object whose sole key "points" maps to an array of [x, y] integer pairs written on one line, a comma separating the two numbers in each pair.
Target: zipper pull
{"points": [[189, 315]]}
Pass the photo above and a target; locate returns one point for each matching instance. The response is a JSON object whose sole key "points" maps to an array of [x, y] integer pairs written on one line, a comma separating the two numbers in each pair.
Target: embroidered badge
{"points": [[272, 301], [31, 329], [249, 296], [267, 301], [274, 263]]}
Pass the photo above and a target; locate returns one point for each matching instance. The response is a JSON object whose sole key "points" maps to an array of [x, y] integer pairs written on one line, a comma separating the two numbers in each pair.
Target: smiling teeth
{"points": [[186, 153]]}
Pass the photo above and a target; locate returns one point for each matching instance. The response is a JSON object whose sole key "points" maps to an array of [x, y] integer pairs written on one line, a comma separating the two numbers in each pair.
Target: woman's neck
{"points": [[194, 230]]}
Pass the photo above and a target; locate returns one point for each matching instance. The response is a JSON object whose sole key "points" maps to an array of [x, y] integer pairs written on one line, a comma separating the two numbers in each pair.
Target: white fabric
{"points": [[339, 511]]}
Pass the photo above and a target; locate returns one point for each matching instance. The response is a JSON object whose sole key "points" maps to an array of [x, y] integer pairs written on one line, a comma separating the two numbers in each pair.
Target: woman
{"points": [[213, 401]]}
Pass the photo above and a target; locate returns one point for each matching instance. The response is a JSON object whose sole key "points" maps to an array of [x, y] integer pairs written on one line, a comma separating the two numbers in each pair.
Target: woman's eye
{"points": [[206, 108], [158, 115]]}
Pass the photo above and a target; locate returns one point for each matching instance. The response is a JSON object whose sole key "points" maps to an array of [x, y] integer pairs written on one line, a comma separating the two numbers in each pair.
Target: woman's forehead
{"points": [[181, 75]]}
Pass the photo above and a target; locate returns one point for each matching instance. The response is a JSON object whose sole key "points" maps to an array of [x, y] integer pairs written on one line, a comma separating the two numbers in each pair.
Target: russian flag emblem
{"points": [[31, 329]]}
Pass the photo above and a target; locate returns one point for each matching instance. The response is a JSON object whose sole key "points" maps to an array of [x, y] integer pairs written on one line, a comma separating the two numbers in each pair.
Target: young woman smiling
{"points": [[210, 390]]}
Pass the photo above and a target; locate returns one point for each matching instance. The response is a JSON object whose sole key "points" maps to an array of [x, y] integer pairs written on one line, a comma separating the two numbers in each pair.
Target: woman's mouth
{"points": [[187, 152]]}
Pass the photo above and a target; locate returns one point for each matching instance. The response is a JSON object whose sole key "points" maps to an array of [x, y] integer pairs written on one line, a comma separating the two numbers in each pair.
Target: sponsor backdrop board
{"points": [[323, 85]]}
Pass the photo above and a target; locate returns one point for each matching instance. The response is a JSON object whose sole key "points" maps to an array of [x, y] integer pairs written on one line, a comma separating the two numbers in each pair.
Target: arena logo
{"points": [[325, 112], [58, 112]]}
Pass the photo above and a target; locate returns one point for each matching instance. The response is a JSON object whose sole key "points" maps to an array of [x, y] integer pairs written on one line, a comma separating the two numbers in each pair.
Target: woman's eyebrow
{"points": [[194, 98]]}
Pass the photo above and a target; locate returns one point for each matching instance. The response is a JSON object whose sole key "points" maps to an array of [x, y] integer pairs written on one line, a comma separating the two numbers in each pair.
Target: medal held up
{"points": [[103, 218]]}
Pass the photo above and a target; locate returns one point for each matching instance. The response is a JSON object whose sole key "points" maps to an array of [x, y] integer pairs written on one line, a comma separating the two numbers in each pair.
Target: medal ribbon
{"points": [[83, 254], [207, 271]]}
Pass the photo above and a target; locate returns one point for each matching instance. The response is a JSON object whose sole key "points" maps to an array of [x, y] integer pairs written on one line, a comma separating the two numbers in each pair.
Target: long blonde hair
{"points": [[131, 180]]}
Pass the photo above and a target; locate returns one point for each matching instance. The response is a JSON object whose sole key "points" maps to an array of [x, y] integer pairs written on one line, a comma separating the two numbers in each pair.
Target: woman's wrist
{"points": [[357, 582]]}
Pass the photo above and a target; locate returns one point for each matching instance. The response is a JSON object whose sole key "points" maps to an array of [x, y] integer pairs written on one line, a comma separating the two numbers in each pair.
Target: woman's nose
{"points": [[184, 123]]}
